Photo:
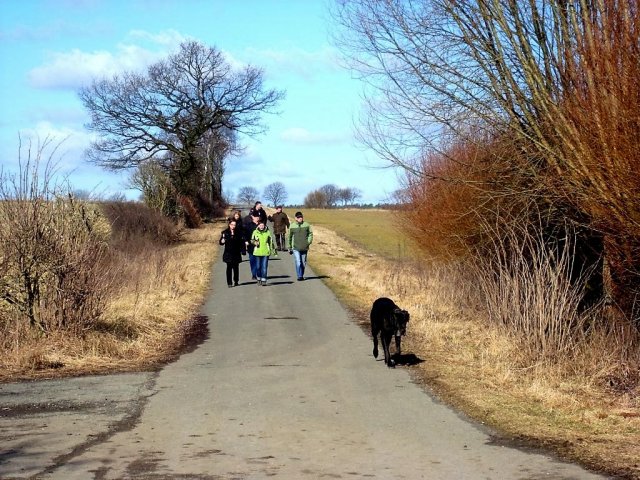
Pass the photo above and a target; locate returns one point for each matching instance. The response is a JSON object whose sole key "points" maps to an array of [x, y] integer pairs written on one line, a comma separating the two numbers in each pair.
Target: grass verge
{"points": [[146, 319], [474, 367]]}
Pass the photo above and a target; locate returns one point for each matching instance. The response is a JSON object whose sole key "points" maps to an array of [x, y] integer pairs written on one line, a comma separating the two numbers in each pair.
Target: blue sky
{"points": [[50, 48]]}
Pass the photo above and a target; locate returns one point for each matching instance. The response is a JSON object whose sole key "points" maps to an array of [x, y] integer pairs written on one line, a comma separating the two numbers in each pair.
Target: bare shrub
{"points": [[135, 224], [51, 252], [154, 184], [457, 198], [529, 292], [558, 78], [600, 125], [208, 209], [192, 218], [443, 204]]}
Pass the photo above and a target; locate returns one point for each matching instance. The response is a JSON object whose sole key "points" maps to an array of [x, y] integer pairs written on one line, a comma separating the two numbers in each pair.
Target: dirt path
{"points": [[284, 386]]}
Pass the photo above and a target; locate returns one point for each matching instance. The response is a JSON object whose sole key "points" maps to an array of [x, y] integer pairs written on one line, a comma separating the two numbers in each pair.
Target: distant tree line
{"points": [[327, 196], [274, 194], [330, 196]]}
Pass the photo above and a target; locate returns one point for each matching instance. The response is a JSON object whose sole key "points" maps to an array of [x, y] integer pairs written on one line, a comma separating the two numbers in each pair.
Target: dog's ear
{"points": [[406, 314]]}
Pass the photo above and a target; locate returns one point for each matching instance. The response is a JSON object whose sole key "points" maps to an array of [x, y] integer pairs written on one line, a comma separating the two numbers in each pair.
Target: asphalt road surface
{"points": [[284, 386]]}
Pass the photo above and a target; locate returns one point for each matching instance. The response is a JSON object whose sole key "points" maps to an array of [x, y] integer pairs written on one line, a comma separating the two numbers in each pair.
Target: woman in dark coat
{"points": [[237, 216], [234, 248]]}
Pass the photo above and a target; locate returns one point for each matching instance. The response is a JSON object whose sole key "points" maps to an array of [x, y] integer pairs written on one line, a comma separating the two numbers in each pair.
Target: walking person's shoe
{"points": [[229, 285], [235, 284]]}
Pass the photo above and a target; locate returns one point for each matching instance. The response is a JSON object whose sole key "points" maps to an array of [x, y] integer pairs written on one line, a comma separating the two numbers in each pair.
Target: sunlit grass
{"points": [[378, 231]]}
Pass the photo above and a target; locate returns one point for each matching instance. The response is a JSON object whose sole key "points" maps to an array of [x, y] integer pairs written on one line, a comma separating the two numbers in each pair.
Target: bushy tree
{"points": [[155, 186]]}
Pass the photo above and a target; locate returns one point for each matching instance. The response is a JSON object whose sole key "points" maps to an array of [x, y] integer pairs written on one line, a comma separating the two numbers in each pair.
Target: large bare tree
{"points": [[442, 68], [186, 109], [556, 79]]}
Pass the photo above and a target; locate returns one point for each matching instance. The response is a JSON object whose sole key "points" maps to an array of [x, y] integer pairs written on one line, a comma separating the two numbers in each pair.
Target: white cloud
{"points": [[70, 114], [297, 61], [169, 38], [53, 31], [65, 145], [303, 136], [75, 68], [62, 149], [235, 63]]}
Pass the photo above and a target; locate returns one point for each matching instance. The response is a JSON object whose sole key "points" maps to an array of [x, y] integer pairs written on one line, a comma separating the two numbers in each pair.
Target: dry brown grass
{"points": [[475, 367], [161, 290]]}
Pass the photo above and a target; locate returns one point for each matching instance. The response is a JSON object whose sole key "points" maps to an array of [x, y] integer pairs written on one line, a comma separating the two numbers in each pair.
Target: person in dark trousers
{"points": [[298, 241], [280, 222], [248, 230], [234, 248], [259, 211]]}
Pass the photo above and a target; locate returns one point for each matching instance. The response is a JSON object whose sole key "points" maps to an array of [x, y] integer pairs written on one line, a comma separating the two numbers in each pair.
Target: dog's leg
{"points": [[398, 351], [386, 342], [374, 334]]}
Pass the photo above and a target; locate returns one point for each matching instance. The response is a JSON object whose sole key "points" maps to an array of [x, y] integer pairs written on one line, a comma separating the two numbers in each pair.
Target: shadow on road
{"points": [[407, 359]]}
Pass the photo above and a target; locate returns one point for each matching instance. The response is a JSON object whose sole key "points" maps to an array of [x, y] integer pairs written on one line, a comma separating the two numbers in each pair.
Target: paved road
{"points": [[284, 386]]}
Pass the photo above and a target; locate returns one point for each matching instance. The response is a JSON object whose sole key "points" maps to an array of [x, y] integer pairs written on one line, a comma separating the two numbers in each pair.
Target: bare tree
{"points": [[188, 108], [154, 185], [247, 195], [315, 199], [348, 195], [527, 74], [276, 193], [331, 193], [218, 146]]}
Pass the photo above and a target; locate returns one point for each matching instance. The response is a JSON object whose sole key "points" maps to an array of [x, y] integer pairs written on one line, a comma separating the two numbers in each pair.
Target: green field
{"points": [[376, 230]]}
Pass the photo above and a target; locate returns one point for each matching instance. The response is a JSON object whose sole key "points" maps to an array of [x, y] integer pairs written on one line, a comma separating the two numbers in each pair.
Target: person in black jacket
{"points": [[237, 216], [258, 211], [234, 248]]}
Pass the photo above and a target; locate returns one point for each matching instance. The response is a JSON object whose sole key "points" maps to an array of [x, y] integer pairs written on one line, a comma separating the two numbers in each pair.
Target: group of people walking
{"points": [[252, 236]]}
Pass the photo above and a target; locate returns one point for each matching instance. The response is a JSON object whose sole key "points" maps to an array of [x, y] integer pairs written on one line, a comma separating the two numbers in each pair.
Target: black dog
{"points": [[388, 320]]}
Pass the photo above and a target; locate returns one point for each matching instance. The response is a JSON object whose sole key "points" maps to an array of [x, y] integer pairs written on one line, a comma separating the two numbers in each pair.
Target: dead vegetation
{"points": [[88, 286], [482, 366]]}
